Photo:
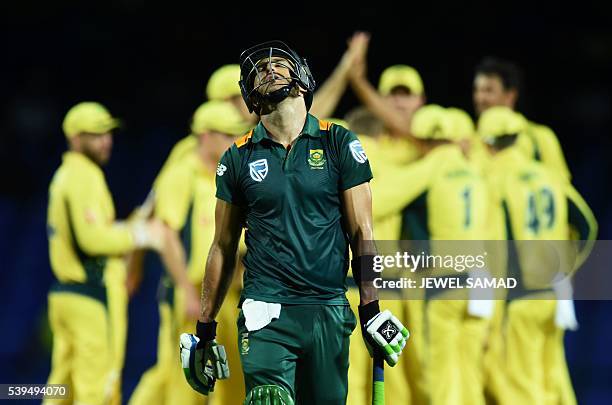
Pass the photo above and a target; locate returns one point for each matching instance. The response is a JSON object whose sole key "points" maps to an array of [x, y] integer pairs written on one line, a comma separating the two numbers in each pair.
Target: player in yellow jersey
{"points": [[463, 127], [85, 242], [185, 199], [400, 93], [497, 83], [529, 202], [444, 199]]}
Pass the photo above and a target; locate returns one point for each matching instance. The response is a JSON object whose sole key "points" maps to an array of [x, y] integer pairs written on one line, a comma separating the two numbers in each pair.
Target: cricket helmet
{"points": [[250, 62]]}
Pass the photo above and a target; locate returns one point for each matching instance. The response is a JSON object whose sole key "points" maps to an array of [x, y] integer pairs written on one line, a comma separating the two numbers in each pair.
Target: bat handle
{"points": [[378, 380]]}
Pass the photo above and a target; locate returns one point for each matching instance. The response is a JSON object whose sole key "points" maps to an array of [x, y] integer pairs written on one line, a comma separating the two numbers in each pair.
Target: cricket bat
{"points": [[378, 380]]}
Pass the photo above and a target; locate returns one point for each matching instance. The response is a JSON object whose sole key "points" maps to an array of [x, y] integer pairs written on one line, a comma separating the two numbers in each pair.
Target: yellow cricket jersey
{"points": [[185, 201], [387, 156], [443, 195], [582, 222], [81, 223], [478, 154], [440, 197], [181, 150], [542, 145], [533, 198], [384, 149], [531, 202]]}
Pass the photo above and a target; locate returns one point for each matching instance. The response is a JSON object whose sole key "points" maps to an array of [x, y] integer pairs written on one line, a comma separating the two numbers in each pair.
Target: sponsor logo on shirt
{"points": [[316, 159], [357, 151], [258, 169], [221, 168]]}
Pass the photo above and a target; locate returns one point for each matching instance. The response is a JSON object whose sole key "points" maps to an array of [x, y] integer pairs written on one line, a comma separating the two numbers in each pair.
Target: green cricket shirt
{"points": [[297, 244]]}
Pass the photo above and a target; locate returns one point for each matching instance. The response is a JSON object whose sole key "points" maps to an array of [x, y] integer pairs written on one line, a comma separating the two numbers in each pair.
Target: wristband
{"points": [[206, 331], [363, 269], [368, 311]]}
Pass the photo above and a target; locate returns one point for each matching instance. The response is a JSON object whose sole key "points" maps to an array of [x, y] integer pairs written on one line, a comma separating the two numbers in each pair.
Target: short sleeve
{"points": [[354, 164], [227, 177]]}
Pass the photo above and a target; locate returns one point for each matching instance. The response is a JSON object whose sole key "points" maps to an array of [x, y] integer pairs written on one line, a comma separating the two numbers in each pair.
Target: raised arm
{"points": [[397, 123], [328, 95], [368, 95]]}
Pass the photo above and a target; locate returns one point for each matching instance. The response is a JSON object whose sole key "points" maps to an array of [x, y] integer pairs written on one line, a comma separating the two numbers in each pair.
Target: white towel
{"points": [[258, 314], [565, 314], [481, 303]]}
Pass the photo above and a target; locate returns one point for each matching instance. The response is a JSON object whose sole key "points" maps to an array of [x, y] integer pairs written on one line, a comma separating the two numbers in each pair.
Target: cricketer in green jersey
{"points": [[300, 187]]}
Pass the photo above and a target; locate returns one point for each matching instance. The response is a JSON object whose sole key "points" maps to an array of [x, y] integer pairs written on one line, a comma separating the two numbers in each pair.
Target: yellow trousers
{"points": [[455, 351], [536, 371], [413, 357], [494, 376], [81, 347], [117, 297]]}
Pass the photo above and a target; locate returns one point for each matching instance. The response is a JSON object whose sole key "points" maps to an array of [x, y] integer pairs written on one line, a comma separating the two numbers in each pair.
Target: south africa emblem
{"points": [[244, 344], [316, 159]]}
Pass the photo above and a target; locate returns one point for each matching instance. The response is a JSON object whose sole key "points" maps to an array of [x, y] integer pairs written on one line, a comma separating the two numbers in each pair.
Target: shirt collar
{"points": [[509, 157], [79, 158], [311, 128]]}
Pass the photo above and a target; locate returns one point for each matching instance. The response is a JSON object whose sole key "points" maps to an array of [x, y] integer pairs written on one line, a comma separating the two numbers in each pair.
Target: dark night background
{"points": [[149, 66]]}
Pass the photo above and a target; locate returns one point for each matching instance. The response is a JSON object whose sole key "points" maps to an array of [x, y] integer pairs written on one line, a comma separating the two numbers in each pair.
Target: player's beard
{"points": [[268, 107], [99, 157]]}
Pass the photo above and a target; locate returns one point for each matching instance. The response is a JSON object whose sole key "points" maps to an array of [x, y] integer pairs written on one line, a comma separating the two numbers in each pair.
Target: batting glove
{"points": [[382, 332], [203, 360]]}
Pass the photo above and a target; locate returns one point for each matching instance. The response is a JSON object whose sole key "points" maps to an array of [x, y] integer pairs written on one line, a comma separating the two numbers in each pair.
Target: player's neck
{"points": [[285, 123]]}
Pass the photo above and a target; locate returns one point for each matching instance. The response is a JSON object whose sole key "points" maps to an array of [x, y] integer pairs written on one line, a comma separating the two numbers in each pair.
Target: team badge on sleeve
{"points": [[258, 169], [357, 151]]}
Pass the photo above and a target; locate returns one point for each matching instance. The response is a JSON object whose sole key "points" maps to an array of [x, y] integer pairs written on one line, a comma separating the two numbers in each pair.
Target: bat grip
{"points": [[378, 380]]}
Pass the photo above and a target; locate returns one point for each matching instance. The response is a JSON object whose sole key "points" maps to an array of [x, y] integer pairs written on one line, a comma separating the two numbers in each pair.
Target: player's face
{"points": [[272, 74], [97, 147], [402, 100], [489, 92]]}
